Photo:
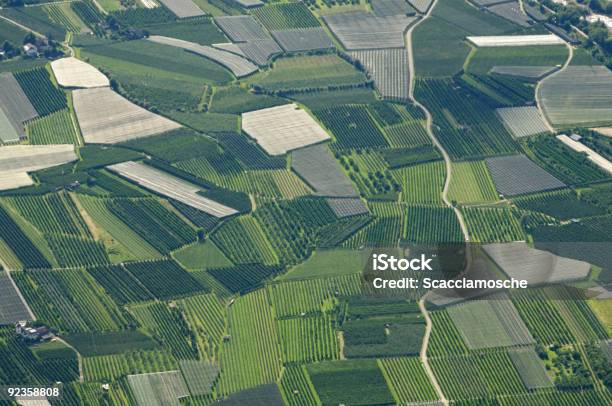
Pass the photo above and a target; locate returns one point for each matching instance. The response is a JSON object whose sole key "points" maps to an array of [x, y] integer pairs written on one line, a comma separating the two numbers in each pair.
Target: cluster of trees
{"points": [[46, 46], [599, 41]]}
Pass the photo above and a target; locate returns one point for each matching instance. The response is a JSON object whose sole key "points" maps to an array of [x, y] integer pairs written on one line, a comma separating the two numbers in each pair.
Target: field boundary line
{"points": [[23, 27]]}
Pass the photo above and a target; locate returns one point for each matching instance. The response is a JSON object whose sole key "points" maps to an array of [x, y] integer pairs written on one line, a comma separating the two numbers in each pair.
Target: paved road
{"points": [[447, 162]]}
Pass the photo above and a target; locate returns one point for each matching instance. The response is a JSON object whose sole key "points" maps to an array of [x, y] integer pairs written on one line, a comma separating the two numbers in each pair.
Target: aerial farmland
{"points": [[194, 195]]}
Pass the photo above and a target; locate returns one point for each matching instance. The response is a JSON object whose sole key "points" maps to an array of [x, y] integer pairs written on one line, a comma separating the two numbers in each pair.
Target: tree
{"points": [[30, 38]]}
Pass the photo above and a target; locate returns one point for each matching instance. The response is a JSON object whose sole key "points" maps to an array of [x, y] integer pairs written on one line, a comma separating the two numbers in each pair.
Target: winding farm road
{"points": [[447, 162], [547, 122]]}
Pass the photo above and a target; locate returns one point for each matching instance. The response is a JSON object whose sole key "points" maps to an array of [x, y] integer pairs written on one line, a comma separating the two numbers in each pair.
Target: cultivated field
{"points": [[516, 174], [522, 121], [107, 118], [283, 128], [71, 72], [388, 68], [183, 8], [580, 95], [321, 171], [303, 39], [15, 108]]}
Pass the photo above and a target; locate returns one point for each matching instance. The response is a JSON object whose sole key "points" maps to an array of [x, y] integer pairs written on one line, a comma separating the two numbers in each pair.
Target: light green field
{"points": [[202, 256], [471, 183], [328, 262]]}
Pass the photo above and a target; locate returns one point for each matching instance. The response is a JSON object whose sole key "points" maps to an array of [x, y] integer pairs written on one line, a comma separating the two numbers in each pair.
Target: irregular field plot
{"points": [[516, 174], [520, 261], [284, 16], [12, 308], [522, 121], [530, 368], [183, 8], [106, 117], [490, 323], [235, 63], [303, 39], [319, 169], [15, 108], [241, 28], [159, 388], [471, 183], [199, 376], [354, 382], [170, 186], [71, 72], [388, 68], [407, 378], [511, 11], [283, 128], [359, 30], [580, 95], [30, 158], [347, 207], [307, 72]]}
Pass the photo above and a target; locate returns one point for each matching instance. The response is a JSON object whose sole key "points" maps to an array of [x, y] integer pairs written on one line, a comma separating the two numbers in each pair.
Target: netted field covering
{"points": [[471, 183], [70, 300], [530, 368], [252, 356], [420, 5], [490, 323], [199, 376], [12, 308], [580, 95], [170, 186], [553, 398], [235, 63], [303, 39], [522, 121], [517, 174], [158, 388], [520, 261], [511, 11], [388, 68], [15, 108], [493, 224], [359, 30], [106, 117], [183, 8], [407, 380], [317, 166], [56, 128], [347, 207], [29, 158], [514, 40], [241, 28], [260, 50], [282, 128], [386, 8], [72, 72], [284, 16]]}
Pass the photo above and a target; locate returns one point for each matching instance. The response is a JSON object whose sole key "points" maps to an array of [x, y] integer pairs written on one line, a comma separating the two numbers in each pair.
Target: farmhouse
{"points": [[40, 333]]}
